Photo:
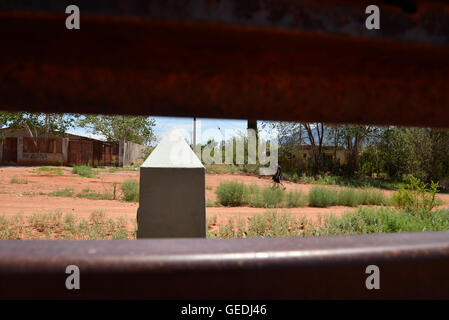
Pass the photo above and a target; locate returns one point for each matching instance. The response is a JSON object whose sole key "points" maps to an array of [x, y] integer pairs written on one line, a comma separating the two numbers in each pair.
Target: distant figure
{"points": [[277, 179]]}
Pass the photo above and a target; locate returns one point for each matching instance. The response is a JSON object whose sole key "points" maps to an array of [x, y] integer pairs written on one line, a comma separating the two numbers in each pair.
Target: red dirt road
{"points": [[26, 198]]}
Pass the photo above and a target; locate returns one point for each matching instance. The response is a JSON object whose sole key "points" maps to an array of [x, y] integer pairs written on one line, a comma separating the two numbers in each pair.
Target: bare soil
{"points": [[29, 198]]}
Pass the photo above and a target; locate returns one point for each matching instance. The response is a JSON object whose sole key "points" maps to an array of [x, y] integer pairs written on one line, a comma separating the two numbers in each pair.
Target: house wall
{"points": [[54, 149], [341, 155], [41, 158], [129, 152]]}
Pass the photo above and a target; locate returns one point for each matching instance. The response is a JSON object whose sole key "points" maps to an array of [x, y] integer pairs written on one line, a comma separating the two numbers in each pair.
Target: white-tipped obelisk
{"points": [[172, 191]]}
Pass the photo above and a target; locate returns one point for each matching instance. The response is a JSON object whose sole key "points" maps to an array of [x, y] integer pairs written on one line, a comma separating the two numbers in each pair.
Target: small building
{"points": [[338, 155], [18, 147]]}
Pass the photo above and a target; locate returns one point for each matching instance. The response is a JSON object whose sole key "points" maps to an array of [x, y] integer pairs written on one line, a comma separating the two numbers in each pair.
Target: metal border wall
{"points": [[176, 65], [412, 266]]}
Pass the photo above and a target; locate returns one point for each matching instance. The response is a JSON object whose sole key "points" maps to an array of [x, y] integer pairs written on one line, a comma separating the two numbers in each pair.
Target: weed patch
{"points": [[130, 189], [18, 180]]}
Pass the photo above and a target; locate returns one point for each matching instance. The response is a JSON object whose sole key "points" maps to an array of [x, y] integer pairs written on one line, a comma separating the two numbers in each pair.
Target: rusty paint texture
{"points": [[148, 67], [412, 265]]}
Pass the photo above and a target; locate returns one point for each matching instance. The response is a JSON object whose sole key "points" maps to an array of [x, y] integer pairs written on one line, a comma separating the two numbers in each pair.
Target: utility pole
{"points": [[194, 136]]}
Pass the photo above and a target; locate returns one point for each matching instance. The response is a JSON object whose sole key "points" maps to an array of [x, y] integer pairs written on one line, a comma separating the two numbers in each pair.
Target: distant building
{"points": [[17, 147], [338, 155]]}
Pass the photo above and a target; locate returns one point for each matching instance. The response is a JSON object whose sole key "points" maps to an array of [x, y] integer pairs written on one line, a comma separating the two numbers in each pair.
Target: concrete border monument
{"points": [[172, 191]]}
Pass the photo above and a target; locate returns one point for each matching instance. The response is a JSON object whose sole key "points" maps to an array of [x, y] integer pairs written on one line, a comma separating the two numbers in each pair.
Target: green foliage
{"points": [[44, 222], [231, 169], [227, 231], [147, 151], [273, 224], [383, 220], [231, 193], [264, 197], [52, 225], [211, 203], [322, 197], [325, 197], [257, 225], [83, 171], [38, 123], [295, 199], [372, 197], [272, 198], [137, 129], [211, 221], [88, 194], [66, 192], [130, 189], [49, 170], [85, 193], [17, 180], [416, 197], [268, 224], [347, 197], [238, 194], [396, 152]]}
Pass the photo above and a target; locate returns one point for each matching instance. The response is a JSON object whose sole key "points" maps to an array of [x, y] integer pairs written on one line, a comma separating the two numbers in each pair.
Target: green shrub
{"points": [[267, 197], [417, 196], [257, 226], [88, 194], [17, 180], [272, 198], [83, 171], [66, 192], [383, 220], [130, 189], [211, 203], [211, 221], [231, 193], [295, 199], [49, 170], [322, 197], [227, 231], [372, 197], [350, 197], [44, 222], [273, 224], [52, 225], [347, 197]]}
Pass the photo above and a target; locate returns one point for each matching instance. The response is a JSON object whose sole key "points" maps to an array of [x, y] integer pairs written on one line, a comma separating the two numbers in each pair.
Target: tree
{"points": [[397, 152], [117, 127], [316, 134], [38, 123], [290, 139], [432, 152], [354, 137], [293, 134]]}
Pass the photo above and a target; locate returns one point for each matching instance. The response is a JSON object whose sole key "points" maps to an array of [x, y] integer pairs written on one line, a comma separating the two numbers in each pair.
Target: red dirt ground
{"points": [[25, 198]]}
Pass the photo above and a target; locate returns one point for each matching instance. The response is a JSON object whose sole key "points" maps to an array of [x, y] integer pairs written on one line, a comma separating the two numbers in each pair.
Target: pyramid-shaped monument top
{"points": [[172, 152]]}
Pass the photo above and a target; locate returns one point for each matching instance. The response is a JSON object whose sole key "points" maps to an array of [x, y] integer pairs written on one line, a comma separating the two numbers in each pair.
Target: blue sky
{"points": [[164, 124]]}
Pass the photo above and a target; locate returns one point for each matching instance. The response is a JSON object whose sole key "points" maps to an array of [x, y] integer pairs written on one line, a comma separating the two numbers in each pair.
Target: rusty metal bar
{"points": [[172, 61], [412, 265]]}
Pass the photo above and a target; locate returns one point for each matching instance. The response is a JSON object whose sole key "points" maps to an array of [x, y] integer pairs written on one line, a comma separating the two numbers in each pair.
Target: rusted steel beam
{"points": [[412, 265], [167, 68], [415, 20]]}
